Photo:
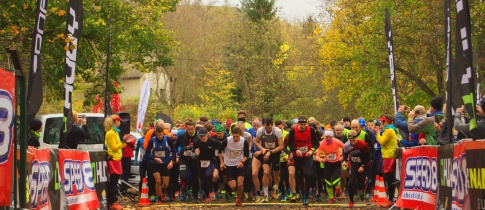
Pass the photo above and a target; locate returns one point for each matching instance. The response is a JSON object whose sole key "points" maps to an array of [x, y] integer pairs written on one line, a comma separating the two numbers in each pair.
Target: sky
{"points": [[287, 9]]}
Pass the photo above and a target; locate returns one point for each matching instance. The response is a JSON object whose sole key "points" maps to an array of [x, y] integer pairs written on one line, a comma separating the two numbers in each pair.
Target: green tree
{"points": [[259, 10]]}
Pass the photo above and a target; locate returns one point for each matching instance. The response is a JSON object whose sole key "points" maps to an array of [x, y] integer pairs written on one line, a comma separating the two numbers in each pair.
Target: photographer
{"points": [[462, 126], [427, 124], [76, 133]]}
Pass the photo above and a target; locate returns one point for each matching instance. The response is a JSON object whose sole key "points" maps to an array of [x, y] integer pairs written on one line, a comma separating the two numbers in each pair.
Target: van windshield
{"points": [[53, 129]]}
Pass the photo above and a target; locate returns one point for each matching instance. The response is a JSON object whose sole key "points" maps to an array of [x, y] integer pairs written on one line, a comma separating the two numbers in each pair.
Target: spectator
{"points": [[35, 129]]}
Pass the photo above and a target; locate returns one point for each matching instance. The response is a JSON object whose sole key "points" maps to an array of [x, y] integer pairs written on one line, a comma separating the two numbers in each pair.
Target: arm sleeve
{"points": [[369, 139], [412, 143], [366, 155], [85, 132], [459, 123], [315, 142], [415, 128], [319, 151], [148, 151], [222, 146], [246, 149], [111, 140], [291, 137], [174, 150], [399, 122]]}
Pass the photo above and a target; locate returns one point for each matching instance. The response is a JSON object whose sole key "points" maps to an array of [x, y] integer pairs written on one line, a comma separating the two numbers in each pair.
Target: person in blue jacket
{"points": [[162, 155]]}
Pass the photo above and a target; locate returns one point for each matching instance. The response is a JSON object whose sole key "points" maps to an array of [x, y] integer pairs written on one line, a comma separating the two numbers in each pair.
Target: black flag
{"points": [[391, 59], [74, 23], [35, 95], [464, 69]]}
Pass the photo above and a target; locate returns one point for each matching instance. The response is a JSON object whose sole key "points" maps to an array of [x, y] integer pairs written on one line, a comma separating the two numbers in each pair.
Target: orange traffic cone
{"points": [[382, 199], [376, 190], [144, 194]]}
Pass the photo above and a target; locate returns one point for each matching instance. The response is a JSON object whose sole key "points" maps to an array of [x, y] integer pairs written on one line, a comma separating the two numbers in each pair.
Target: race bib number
{"points": [[188, 153], [205, 163], [160, 154], [270, 145], [332, 156], [236, 153], [216, 153], [375, 145], [355, 159], [303, 149]]}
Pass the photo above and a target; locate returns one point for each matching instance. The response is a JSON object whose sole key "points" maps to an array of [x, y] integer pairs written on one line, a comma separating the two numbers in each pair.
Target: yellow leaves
{"points": [[61, 13], [14, 30], [25, 6], [12, 6], [23, 29], [281, 56], [4, 15], [54, 9]]}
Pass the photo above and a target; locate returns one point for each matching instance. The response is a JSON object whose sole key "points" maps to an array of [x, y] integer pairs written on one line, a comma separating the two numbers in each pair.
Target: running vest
{"points": [[234, 151], [161, 150], [269, 141], [302, 139], [361, 135]]}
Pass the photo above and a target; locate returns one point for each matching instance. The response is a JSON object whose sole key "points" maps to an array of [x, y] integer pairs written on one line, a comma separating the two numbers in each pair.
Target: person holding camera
{"points": [[427, 124], [463, 127], [115, 146], [78, 132]]}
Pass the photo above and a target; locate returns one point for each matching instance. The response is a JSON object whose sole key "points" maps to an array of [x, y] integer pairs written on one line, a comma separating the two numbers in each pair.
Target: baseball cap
{"points": [[202, 132]]}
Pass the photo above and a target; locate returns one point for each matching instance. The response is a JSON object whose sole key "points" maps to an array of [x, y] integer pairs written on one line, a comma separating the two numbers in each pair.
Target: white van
{"points": [[53, 125]]}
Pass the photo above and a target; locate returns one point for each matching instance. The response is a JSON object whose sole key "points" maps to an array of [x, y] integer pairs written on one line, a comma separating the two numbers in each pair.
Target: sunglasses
{"points": [[352, 137]]}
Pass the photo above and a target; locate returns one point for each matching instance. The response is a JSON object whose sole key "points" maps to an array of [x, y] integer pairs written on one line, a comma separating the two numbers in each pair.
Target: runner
{"points": [[236, 152], [284, 185], [162, 156], [360, 161], [269, 140], [303, 141], [205, 152], [188, 165], [332, 162]]}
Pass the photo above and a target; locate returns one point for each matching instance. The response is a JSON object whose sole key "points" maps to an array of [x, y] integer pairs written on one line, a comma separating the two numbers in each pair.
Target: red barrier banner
{"points": [[39, 174], [7, 117], [459, 177], [77, 179], [475, 150], [419, 178]]}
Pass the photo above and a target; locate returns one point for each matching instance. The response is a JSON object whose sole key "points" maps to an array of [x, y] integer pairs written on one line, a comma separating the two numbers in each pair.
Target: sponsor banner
{"points": [[465, 71], [419, 178], [35, 94], [77, 179], [475, 153], [7, 117], [74, 25], [388, 29], [445, 168], [99, 165], [459, 178], [39, 173], [142, 105]]}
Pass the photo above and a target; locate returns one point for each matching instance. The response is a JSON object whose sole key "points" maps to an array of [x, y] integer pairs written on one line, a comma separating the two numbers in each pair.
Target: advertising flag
{"points": [[7, 117], [142, 105]]}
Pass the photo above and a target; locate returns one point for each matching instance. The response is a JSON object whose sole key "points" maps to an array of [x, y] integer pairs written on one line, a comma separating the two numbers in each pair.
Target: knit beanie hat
{"points": [[437, 103]]}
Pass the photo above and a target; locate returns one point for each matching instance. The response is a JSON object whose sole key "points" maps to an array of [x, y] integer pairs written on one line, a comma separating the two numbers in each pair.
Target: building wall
{"points": [[132, 87]]}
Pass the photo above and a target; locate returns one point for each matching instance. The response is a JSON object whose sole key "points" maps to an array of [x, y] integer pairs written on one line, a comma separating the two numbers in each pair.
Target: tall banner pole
{"points": [[479, 88], [449, 95], [391, 59], [107, 107], [467, 85], [74, 23], [35, 95]]}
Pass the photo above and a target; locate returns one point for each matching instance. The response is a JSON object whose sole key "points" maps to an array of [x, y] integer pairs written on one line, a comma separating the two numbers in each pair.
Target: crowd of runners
{"points": [[262, 160]]}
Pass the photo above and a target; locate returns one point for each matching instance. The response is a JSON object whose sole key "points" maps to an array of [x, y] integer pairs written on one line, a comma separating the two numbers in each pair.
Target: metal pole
{"points": [[107, 108], [20, 79]]}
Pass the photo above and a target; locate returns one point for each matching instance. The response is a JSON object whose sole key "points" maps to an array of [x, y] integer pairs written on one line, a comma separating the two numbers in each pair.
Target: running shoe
{"points": [[239, 203], [351, 204], [283, 198], [153, 199], [305, 201], [332, 201], [265, 199]]}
